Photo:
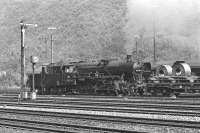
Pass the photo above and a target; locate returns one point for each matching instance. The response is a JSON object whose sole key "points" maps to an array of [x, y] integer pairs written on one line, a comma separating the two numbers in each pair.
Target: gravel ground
{"points": [[137, 127]]}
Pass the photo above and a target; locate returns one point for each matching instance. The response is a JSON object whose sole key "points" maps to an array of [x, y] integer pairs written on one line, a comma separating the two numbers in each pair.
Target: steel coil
{"points": [[164, 70], [181, 69]]}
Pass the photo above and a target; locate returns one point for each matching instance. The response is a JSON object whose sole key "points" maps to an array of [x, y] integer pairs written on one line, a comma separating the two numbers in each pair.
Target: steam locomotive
{"points": [[116, 77]]}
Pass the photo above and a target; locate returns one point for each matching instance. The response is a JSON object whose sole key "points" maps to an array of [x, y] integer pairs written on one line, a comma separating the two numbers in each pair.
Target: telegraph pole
{"points": [[51, 49], [154, 32], [23, 91], [33, 77], [51, 37], [136, 47], [154, 40], [45, 39], [23, 26]]}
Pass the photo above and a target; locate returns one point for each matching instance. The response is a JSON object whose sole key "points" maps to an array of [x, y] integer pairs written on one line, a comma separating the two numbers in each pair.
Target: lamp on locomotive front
{"points": [[34, 60]]}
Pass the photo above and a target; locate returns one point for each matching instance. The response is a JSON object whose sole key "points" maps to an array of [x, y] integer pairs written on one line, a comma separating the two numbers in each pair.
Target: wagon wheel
{"points": [[47, 91], [103, 89], [166, 92], [131, 90], [140, 91], [97, 88], [154, 92], [110, 90]]}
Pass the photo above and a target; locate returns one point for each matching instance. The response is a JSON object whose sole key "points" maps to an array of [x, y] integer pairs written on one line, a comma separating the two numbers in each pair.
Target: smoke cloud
{"points": [[177, 20]]}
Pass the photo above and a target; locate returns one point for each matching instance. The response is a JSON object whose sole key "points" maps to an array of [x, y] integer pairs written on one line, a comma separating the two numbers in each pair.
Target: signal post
{"points": [[23, 90]]}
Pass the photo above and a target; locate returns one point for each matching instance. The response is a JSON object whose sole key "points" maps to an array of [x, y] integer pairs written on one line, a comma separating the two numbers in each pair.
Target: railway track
{"points": [[65, 100], [103, 118], [159, 111], [194, 101], [124, 103], [192, 110], [110, 105], [56, 127], [180, 115], [189, 98]]}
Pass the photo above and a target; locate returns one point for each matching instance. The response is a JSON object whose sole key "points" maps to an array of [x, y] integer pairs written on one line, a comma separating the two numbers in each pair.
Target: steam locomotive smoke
{"points": [[177, 20]]}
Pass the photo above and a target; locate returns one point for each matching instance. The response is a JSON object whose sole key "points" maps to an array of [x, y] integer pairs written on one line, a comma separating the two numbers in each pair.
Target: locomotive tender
{"points": [[116, 77]]}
